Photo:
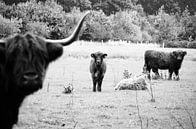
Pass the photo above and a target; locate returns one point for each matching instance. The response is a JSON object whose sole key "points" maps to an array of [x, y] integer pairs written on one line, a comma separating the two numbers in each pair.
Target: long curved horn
{"points": [[72, 37]]}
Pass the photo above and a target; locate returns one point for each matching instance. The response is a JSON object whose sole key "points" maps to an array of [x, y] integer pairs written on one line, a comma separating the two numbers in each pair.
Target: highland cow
{"points": [[24, 60], [161, 60], [97, 69]]}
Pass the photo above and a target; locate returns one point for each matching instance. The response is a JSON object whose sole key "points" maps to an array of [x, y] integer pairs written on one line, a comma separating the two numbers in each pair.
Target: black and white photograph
{"points": [[97, 64]]}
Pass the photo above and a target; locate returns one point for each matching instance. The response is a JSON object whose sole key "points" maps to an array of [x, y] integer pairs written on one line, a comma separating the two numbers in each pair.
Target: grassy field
{"points": [[50, 108]]}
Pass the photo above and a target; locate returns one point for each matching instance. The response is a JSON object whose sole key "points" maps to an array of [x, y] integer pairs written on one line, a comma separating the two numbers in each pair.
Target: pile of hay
{"points": [[135, 83]]}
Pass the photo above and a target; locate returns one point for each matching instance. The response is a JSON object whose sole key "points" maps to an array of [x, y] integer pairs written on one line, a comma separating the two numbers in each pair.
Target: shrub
{"points": [[38, 28], [3, 8], [9, 27], [124, 26], [176, 44], [126, 74], [192, 44], [97, 27], [166, 26], [47, 16], [146, 36]]}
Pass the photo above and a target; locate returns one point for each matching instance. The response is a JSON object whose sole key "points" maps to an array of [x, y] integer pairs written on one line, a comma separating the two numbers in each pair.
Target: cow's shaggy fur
{"points": [[163, 60], [22, 70], [97, 69], [24, 60]]}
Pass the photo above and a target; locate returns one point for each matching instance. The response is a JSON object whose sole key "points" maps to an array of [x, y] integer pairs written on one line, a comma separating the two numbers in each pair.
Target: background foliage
{"points": [[170, 21]]}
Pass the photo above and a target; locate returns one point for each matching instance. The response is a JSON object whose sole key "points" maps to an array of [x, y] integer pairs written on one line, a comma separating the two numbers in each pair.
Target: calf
{"points": [[161, 60], [97, 69]]}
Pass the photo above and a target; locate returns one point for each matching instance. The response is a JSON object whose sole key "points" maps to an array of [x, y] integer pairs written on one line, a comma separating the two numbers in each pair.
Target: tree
{"points": [[112, 6], [9, 27], [188, 26], [151, 7], [166, 26], [68, 5], [83, 5], [97, 27], [11, 2], [124, 26]]}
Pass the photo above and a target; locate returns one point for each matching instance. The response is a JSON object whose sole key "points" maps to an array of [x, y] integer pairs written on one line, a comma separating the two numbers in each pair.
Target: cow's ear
{"points": [[54, 51], [184, 52], [104, 55], [93, 55], [2, 52]]}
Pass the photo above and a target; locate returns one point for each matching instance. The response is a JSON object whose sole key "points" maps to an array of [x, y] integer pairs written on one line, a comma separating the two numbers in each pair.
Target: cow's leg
{"points": [[99, 84], [155, 70], [170, 74], [94, 84], [177, 75], [148, 72]]}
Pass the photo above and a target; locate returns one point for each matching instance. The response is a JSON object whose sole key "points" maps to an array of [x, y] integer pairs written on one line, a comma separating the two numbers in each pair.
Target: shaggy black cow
{"points": [[161, 60], [97, 69], [24, 60]]}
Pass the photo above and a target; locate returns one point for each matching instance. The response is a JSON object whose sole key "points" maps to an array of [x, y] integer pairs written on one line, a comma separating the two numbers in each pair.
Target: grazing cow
{"points": [[161, 60], [97, 69], [24, 60]]}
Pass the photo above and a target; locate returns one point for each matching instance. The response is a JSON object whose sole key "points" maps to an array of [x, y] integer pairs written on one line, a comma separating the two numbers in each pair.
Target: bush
{"points": [[38, 28], [192, 44], [124, 26], [177, 44], [97, 27], [49, 20], [146, 36], [44, 18], [121, 26], [3, 8], [165, 26], [9, 27]]}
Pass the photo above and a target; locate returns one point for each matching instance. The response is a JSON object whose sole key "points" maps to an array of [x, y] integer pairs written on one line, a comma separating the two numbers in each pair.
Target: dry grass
{"points": [[117, 50], [51, 109]]}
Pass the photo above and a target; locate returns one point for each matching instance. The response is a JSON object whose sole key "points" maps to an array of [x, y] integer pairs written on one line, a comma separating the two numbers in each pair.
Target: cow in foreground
{"points": [[97, 69], [164, 60], [24, 60]]}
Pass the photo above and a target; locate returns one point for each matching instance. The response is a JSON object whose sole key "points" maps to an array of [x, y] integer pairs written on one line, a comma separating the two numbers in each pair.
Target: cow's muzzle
{"points": [[30, 77], [30, 82], [179, 58]]}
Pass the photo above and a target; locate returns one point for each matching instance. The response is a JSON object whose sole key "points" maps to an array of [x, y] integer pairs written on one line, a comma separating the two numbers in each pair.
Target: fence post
{"points": [[163, 45]]}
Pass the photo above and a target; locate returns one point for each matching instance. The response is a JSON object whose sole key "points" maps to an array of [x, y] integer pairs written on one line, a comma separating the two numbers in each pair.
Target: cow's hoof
{"points": [[99, 90], [169, 79], [157, 77], [177, 79]]}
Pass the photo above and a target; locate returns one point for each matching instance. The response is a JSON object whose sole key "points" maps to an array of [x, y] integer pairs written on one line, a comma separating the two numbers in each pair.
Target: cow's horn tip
{"points": [[88, 12]]}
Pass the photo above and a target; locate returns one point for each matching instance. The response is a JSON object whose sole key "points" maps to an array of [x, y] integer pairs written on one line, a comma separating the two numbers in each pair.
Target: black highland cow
{"points": [[161, 60], [24, 60], [97, 69]]}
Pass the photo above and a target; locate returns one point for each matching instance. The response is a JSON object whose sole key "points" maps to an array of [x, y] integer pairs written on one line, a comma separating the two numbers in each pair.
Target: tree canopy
{"points": [[130, 20], [112, 6]]}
